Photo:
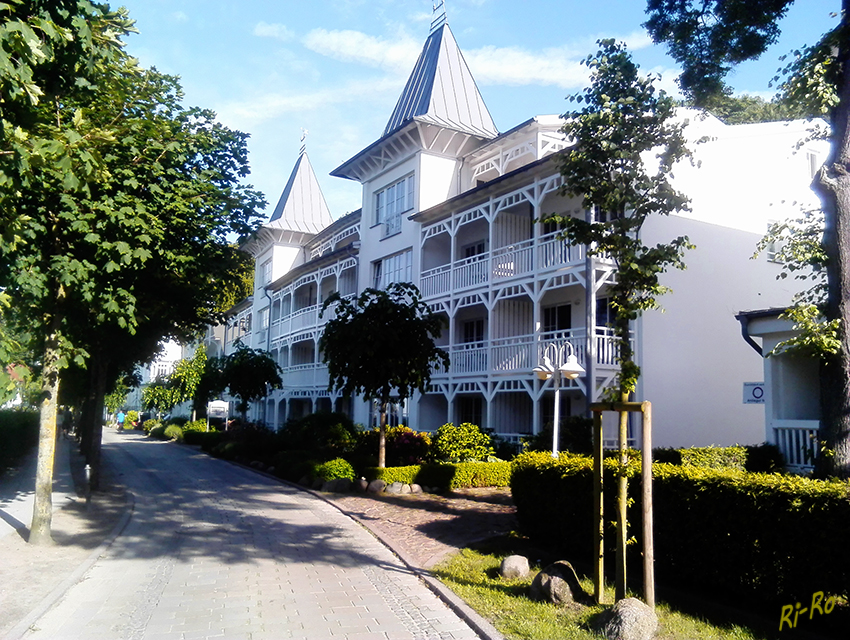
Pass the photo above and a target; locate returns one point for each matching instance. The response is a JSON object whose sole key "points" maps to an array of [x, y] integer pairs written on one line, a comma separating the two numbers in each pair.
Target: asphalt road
{"points": [[216, 551]]}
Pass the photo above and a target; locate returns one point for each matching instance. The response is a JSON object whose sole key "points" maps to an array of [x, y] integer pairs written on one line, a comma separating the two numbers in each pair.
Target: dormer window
{"points": [[391, 203]]}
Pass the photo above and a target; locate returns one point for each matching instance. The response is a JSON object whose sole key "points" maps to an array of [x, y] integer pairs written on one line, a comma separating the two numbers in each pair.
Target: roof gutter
{"points": [[744, 319]]}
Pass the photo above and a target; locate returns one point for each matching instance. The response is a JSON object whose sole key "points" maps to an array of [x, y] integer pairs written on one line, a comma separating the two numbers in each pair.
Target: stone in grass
{"points": [[376, 486], [558, 584], [514, 567], [629, 619]]}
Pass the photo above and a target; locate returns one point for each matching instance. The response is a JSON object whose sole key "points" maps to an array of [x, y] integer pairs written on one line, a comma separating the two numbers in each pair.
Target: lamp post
{"points": [[569, 369]]}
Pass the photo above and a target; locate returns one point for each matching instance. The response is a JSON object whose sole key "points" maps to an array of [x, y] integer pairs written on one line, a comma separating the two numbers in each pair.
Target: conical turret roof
{"points": [[302, 206], [442, 91]]}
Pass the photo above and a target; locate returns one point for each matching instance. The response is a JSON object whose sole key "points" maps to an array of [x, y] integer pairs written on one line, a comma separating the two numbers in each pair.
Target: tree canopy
{"points": [[249, 374], [381, 345]]}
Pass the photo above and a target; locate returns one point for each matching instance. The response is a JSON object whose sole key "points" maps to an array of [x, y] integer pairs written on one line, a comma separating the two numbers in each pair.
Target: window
{"points": [[395, 268], [474, 249], [557, 318], [471, 409], [391, 202], [266, 272], [473, 331], [605, 314]]}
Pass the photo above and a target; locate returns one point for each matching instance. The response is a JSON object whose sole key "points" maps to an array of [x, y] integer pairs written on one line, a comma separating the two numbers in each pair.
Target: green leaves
{"points": [[623, 125]]}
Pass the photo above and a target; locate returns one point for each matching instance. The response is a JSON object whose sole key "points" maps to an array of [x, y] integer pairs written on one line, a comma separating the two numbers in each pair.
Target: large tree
{"points": [[249, 375], [710, 37], [381, 345], [108, 263]]}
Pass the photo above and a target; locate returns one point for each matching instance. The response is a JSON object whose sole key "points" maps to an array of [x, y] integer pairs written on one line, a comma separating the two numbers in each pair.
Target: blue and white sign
{"points": [[754, 393]]}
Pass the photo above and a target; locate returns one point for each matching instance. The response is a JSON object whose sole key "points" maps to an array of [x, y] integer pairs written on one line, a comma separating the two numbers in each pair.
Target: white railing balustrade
{"points": [[435, 282], [797, 440], [471, 272], [304, 318], [552, 252], [513, 260], [513, 354], [469, 358]]}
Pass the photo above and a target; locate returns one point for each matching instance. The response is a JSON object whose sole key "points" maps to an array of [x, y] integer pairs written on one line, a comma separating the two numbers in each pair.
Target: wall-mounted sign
{"points": [[754, 393]]}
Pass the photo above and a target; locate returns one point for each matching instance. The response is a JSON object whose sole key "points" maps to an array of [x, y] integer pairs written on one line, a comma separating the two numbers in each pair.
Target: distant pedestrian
{"points": [[121, 418]]}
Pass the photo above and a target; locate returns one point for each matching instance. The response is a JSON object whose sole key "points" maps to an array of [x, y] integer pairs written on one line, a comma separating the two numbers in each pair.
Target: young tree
{"points": [[710, 37], [381, 345], [249, 374], [625, 144]]}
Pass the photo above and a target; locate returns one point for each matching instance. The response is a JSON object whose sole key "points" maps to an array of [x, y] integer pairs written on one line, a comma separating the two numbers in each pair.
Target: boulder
{"points": [[514, 567], [415, 488], [405, 488], [558, 584], [342, 485], [395, 487], [256, 464], [305, 481], [361, 485], [629, 619], [376, 486], [317, 483]]}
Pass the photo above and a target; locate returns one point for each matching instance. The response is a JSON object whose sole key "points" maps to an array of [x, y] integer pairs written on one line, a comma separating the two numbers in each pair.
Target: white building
{"points": [[450, 204]]}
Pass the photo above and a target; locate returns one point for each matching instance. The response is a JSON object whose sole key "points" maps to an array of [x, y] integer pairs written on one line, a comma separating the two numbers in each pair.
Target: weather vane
{"points": [[439, 18], [304, 133]]}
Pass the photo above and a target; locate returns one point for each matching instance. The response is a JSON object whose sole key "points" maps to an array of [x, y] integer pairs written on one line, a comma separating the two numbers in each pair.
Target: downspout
{"points": [[745, 332]]}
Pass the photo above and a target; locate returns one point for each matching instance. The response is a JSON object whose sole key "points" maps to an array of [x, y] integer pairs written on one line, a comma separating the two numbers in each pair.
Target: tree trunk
{"points": [[98, 393], [833, 187], [42, 512], [382, 436]]}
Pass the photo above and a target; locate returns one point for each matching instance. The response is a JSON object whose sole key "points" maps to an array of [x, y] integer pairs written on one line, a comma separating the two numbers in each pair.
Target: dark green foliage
{"points": [[294, 464], [575, 434], [761, 538], [447, 476], [324, 435], [249, 374], [18, 434], [404, 447], [460, 443], [335, 469], [197, 425], [147, 425], [764, 458]]}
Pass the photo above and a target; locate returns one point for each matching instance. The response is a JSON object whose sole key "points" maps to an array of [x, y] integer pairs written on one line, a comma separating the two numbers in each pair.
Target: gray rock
{"points": [[317, 483], [256, 464], [558, 584], [629, 619], [376, 486], [329, 485], [405, 488], [343, 485], [305, 481], [415, 488], [361, 485], [395, 487], [514, 567]]}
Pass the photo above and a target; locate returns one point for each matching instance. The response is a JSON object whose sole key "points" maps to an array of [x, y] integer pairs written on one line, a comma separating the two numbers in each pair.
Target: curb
{"points": [[477, 623], [18, 631]]}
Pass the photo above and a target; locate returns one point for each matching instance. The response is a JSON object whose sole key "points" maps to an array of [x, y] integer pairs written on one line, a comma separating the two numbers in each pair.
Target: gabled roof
{"points": [[442, 91], [302, 206]]}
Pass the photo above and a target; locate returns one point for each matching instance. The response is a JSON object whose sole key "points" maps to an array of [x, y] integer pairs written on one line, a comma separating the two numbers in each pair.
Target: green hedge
{"points": [[18, 434], [447, 476], [761, 537]]}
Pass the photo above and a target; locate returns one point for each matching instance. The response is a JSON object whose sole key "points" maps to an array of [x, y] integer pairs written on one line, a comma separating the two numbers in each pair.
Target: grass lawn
{"points": [[474, 576]]}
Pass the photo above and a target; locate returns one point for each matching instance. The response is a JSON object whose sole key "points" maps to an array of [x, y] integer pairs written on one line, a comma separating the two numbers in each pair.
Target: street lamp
{"points": [[569, 369]]}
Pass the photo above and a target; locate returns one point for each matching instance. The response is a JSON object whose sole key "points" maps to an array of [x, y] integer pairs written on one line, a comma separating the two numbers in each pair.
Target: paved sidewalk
{"points": [[216, 551], [18, 487]]}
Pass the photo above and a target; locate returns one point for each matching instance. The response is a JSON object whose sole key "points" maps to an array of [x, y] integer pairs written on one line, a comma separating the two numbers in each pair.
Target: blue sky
{"points": [[337, 67]]}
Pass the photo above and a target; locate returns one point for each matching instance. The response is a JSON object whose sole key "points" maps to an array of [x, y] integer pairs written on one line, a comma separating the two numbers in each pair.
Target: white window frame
{"points": [[391, 202], [266, 272], [395, 268]]}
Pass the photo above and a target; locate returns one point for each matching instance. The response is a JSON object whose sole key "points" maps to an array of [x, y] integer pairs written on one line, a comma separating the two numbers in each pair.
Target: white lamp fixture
{"points": [[570, 369]]}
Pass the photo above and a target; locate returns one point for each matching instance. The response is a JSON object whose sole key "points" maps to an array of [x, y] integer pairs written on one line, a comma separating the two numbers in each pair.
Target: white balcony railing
{"points": [[523, 353], [797, 440], [521, 258]]}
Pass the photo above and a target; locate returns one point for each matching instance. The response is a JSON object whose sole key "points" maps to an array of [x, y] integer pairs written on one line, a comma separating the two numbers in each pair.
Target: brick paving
{"points": [[216, 551]]}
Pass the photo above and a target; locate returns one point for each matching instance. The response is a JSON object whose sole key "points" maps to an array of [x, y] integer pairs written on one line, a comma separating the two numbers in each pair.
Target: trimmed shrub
{"points": [[764, 458], [158, 432], [131, 420], [404, 447], [150, 424], [764, 538], [575, 434], [460, 475], [197, 425], [335, 469], [173, 432], [293, 465], [326, 435], [460, 444]]}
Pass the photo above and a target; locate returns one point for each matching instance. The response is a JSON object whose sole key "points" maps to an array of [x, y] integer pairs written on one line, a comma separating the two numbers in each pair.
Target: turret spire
{"points": [[439, 17]]}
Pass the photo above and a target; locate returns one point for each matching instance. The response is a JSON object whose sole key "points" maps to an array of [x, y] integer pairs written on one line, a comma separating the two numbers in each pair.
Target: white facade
{"points": [[451, 205]]}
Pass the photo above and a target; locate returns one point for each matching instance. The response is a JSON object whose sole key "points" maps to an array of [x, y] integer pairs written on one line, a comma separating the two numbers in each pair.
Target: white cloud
{"points": [[180, 16], [273, 30], [397, 55], [515, 66]]}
